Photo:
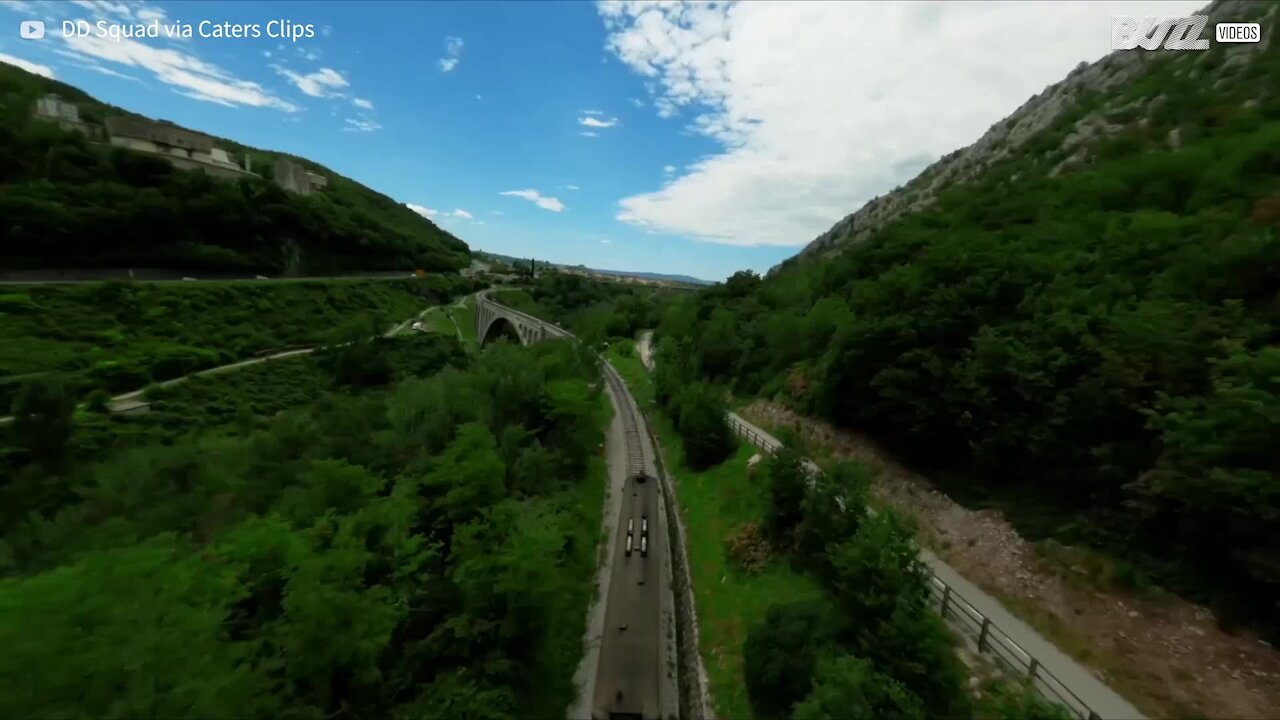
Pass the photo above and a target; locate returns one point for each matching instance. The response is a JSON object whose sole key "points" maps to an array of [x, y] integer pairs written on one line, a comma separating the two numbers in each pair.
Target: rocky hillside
{"points": [[70, 200], [1120, 94]]}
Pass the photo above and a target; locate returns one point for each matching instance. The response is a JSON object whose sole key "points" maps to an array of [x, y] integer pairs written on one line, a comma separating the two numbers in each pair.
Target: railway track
{"points": [[630, 421]]}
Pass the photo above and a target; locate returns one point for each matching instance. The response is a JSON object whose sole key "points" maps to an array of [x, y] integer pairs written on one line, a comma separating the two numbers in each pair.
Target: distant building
{"points": [[295, 178], [182, 148]]}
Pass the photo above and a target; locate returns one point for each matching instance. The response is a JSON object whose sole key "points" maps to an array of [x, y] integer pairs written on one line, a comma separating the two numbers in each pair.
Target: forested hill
{"points": [[1094, 102], [1089, 328], [68, 202]]}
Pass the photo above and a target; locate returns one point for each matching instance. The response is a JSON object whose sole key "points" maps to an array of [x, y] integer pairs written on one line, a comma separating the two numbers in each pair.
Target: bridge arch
{"points": [[494, 320], [500, 327]]}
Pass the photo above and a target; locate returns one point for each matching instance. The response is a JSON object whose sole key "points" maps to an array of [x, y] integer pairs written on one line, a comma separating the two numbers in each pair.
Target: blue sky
{"points": [[696, 139]]}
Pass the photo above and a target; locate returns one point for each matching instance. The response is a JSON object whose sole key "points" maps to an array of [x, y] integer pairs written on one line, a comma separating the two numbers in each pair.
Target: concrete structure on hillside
{"points": [[494, 321], [52, 108], [295, 178], [182, 148]]}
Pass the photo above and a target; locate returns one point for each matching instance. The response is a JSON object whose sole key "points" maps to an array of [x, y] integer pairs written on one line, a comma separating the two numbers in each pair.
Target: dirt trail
{"points": [[1164, 654]]}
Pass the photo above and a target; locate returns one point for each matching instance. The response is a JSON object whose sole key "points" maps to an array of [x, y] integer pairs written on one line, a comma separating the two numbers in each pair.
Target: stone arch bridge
{"points": [[494, 320]]}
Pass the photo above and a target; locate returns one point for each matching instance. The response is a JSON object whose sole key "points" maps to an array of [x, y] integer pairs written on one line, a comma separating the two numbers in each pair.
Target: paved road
{"points": [[645, 347], [1107, 703]]}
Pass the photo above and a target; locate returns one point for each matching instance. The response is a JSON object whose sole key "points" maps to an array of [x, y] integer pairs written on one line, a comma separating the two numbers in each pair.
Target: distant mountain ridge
{"points": [[71, 198], [656, 276], [518, 262]]}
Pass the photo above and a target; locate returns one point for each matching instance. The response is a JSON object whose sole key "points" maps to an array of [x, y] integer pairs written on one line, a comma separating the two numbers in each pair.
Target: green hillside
{"points": [[1093, 346], [67, 202]]}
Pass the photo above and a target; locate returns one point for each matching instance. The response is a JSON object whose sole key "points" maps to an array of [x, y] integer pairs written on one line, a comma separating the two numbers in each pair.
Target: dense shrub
{"points": [[361, 556], [42, 421], [850, 687], [699, 417], [781, 655], [788, 482]]}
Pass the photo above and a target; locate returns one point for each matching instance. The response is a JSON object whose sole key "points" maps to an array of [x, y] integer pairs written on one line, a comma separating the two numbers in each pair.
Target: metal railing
{"points": [[962, 615], [1006, 652]]}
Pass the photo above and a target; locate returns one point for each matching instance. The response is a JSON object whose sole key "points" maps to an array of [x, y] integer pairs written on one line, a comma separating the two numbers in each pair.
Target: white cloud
{"points": [[496, 212], [588, 133], [478, 96], [113, 73], [668, 169], [103, 7], [321, 83], [478, 222], [605, 241], [811, 125], [452, 54], [459, 212], [266, 53], [326, 31], [205, 98], [27, 65], [425, 212], [189, 75], [15, 5], [597, 123], [361, 125], [572, 187], [362, 103], [593, 112], [533, 196], [147, 14], [637, 102]]}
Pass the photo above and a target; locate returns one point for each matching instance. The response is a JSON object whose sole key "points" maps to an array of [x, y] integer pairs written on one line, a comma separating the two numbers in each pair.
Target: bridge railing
{"points": [[962, 615]]}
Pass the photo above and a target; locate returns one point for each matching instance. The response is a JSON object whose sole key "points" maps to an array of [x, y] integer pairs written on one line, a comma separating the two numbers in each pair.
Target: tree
{"points": [[704, 432], [788, 479], [466, 478], [832, 511], [458, 695], [878, 571], [42, 419], [77, 645], [781, 655], [850, 687]]}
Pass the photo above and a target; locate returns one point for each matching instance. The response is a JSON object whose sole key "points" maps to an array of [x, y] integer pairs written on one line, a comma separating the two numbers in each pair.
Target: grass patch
{"points": [[438, 322], [465, 316], [714, 504]]}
